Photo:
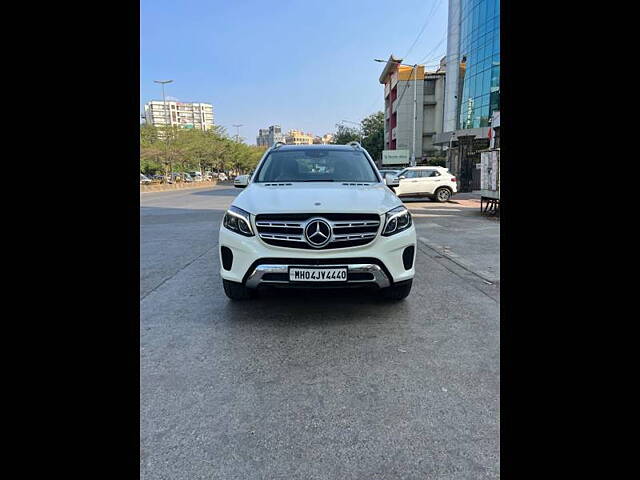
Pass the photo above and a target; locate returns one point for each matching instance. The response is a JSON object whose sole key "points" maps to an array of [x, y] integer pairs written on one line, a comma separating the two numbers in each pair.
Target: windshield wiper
{"points": [[328, 180]]}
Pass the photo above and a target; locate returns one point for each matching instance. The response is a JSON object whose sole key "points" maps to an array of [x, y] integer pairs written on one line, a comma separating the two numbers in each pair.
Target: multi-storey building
{"points": [[267, 137], [473, 82], [298, 137], [323, 140], [399, 82], [182, 114]]}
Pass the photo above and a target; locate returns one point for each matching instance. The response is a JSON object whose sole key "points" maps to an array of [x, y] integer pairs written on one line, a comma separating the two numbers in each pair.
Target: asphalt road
{"points": [[317, 385]]}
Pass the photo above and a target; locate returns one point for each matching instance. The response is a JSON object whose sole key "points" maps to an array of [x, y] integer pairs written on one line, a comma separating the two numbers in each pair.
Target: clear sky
{"points": [[300, 64]]}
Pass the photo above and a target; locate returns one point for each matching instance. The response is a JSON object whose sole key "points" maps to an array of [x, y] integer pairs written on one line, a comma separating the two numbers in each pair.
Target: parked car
{"points": [[386, 171], [222, 177], [435, 183], [177, 177], [144, 180], [160, 178], [197, 176], [317, 216]]}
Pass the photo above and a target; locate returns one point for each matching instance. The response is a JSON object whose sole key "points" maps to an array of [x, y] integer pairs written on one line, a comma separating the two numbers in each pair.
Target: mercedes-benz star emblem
{"points": [[317, 232]]}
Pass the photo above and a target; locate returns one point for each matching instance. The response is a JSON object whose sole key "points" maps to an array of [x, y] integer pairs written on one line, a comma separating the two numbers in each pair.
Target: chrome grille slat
{"points": [[279, 224], [354, 224], [275, 236], [356, 236]]}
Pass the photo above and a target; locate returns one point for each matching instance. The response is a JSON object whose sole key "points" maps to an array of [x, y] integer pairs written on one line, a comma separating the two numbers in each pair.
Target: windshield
{"points": [[316, 165]]}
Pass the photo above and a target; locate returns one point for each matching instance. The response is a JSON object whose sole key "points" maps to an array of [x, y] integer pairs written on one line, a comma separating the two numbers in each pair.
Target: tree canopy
{"points": [[370, 134], [182, 150]]}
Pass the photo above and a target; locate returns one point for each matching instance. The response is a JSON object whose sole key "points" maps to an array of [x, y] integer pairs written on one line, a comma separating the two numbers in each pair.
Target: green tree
{"points": [[151, 150], [345, 135], [373, 135], [175, 149]]}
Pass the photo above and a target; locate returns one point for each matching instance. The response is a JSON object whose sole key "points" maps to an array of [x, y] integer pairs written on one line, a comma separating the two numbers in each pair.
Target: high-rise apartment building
{"points": [[267, 137], [399, 82], [182, 114]]}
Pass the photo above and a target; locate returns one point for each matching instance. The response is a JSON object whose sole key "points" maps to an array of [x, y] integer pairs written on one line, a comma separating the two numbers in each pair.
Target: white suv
{"points": [[317, 216], [433, 182]]}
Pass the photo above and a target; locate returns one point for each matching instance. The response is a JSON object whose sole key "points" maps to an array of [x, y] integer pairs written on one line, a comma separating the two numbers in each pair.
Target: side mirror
{"points": [[391, 181], [241, 182]]}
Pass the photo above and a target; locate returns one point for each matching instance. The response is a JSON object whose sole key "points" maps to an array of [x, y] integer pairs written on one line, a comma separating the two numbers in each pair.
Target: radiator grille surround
{"points": [[346, 229]]}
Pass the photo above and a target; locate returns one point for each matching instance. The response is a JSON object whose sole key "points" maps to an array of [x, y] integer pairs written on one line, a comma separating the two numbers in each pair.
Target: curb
{"points": [[449, 255], [175, 186]]}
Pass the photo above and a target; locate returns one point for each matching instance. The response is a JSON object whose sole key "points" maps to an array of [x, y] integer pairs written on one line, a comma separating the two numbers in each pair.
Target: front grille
{"points": [[287, 229]]}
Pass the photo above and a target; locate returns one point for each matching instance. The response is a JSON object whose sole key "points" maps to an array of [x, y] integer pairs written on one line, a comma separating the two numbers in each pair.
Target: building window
{"points": [[430, 87]]}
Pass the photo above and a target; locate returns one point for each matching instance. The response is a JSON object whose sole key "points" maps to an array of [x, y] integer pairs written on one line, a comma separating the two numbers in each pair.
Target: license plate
{"points": [[318, 274]]}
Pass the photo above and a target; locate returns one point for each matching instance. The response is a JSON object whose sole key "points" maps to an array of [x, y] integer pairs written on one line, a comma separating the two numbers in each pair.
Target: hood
{"points": [[303, 197]]}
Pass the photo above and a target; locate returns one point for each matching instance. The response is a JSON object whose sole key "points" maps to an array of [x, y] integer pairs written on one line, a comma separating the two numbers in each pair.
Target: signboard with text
{"points": [[395, 157]]}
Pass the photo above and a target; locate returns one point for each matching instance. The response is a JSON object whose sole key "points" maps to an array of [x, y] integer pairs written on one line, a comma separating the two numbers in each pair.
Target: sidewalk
{"points": [[457, 231]]}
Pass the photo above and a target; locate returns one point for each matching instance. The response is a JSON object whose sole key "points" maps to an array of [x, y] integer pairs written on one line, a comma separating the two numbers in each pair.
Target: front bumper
{"points": [[357, 273], [378, 263]]}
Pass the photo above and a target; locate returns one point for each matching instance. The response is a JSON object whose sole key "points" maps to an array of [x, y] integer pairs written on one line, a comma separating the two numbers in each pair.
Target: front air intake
{"points": [[227, 257], [407, 257]]}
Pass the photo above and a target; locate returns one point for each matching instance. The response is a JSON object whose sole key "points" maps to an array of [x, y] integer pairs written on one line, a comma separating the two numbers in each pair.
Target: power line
{"points": [[434, 7], [434, 48]]}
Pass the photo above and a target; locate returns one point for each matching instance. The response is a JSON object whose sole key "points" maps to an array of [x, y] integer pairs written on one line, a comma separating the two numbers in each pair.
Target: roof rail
{"points": [[278, 145], [354, 144]]}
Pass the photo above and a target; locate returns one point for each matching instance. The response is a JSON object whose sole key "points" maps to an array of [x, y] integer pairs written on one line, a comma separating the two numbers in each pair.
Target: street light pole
{"points": [[164, 99], [166, 140], [238, 132], [415, 104]]}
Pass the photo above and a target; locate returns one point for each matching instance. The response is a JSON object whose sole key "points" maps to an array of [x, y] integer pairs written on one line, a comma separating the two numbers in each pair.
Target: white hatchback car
{"points": [[433, 182]]}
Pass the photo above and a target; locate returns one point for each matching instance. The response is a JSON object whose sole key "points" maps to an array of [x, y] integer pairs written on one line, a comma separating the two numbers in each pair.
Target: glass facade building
{"points": [[479, 83]]}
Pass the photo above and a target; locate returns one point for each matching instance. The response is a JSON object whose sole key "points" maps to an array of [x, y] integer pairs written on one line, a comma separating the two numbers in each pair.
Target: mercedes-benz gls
{"points": [[317, 216]]}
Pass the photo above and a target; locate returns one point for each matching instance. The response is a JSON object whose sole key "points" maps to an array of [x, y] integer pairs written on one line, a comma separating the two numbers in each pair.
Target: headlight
{"points": [[397, 220], [238, 221]]}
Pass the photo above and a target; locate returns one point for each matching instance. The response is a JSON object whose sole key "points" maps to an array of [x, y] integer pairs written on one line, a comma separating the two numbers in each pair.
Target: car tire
{"points": [[442, 195], [399, 291], [237, 291]]}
